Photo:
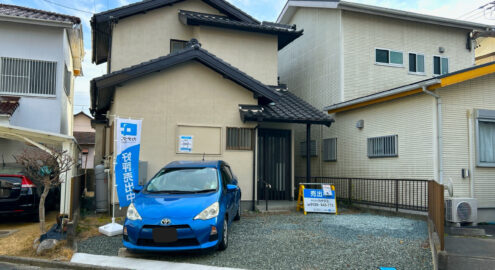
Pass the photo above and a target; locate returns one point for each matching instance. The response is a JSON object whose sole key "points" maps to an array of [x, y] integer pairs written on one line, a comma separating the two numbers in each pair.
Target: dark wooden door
{"points": [[274, 164]]}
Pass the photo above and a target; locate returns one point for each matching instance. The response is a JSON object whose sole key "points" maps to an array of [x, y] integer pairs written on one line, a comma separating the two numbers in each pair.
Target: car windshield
{"points": [[190, 180]]}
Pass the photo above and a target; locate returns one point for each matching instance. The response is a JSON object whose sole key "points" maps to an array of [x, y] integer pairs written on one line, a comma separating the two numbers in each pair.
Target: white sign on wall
{"points": [[185, 143]]}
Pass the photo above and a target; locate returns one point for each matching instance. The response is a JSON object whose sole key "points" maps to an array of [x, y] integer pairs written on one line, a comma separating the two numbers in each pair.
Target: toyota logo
{"points": [[166, 221]]}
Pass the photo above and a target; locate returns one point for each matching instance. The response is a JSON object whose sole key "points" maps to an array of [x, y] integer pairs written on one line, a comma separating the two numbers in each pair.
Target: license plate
{"points": [[164, 235]]}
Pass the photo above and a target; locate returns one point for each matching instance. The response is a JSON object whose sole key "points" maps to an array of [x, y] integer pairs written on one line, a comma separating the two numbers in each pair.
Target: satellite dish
{"points": [[450, 187]]}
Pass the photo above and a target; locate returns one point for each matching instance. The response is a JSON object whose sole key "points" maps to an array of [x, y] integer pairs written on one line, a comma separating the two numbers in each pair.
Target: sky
{"points": [[264, 10]]}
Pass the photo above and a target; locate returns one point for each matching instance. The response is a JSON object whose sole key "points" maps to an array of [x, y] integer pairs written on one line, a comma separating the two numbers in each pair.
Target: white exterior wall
{"points": [[364, 33], [459, 100], [28, 41]]}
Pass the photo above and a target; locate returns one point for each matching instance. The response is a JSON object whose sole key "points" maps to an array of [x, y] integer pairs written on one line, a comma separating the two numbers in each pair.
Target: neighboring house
{"points": [[368, 67], [85, 136], [40, 54], [485, 51], [204, 69]]}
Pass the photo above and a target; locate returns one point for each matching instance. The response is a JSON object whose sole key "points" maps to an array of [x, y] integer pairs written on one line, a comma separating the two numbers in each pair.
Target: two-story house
{"points": [[407, 101], [205, 69], [40, 55]]}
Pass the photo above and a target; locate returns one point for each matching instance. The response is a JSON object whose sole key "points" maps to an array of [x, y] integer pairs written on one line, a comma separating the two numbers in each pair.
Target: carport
{"points": [[41, 139]]}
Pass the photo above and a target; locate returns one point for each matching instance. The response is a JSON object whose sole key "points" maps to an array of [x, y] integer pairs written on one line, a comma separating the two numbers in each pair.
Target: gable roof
{"points": [[84, 114], [292, 5], [102, 87], [286, 33], [414, 88], [101, 30], [18, 12], [288, 109]]}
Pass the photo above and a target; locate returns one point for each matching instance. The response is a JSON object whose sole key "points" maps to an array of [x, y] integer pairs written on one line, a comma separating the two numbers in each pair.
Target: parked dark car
{"points": [[20, 196]]}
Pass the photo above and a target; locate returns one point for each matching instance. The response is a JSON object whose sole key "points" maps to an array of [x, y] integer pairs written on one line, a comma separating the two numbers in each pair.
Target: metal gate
{"points": [[274, 164]]}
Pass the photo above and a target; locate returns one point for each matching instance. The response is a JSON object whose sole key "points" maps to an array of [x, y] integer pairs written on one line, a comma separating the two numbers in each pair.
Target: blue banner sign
{"points": [[320, 201], [128, 141]]}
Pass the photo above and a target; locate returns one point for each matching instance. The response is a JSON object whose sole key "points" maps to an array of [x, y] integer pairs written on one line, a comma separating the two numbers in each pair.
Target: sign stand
{"points": [[112, 229], [322, 200]]}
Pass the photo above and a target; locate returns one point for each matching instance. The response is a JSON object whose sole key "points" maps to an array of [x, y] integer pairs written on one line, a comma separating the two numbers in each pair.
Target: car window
{"points": [[226, 176], [232, 175], [184, 180]]}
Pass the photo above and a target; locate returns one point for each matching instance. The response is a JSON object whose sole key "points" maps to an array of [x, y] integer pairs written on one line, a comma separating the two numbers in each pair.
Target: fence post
{"points": [[349, 191], [396, 195]]}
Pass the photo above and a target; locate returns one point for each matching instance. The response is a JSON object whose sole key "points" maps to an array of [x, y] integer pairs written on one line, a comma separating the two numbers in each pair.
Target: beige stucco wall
{"points": [[170, 99], [363, 33], [147, 36], [485, 51]]}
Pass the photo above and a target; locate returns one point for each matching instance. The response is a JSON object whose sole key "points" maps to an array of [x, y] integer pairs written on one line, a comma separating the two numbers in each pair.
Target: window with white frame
{"points": [[389, 57], [386, 146], [67, 80], [313, 150], [330, 149], [440, 65], [485, 128], [416, 63], [27, 77]]}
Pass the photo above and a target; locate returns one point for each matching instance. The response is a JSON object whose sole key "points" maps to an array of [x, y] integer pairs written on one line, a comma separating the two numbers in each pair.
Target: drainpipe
{"points": [[308, 153], [439, 133], [471, 153], [254, 166]]}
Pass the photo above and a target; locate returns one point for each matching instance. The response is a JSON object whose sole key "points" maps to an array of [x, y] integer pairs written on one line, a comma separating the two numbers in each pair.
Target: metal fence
{"points": [[407, 194]]}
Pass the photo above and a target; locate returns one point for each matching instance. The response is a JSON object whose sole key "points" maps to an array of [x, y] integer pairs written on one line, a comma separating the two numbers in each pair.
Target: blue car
{"points": [[186, 206]]}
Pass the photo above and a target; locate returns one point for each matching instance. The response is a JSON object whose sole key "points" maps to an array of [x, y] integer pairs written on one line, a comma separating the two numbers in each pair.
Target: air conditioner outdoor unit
{"points": [[459, 210]]}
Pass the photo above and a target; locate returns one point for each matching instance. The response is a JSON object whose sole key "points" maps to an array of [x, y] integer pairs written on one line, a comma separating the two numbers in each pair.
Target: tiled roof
{"points": [[289, 108], [8, 105], [286, 33], [30, 13], [84, 137]]}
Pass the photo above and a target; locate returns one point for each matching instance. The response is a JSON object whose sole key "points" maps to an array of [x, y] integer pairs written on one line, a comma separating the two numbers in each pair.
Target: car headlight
{"points": [[209, 213], [132, 213]]}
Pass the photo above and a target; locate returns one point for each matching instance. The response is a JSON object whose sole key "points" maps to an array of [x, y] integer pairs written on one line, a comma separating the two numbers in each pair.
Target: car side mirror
{"points": [[231, 187], [137, 189], [234, 182]]}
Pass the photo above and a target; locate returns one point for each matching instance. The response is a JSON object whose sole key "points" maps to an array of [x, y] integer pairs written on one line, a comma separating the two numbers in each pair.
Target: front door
{"points": [[274, 164]]}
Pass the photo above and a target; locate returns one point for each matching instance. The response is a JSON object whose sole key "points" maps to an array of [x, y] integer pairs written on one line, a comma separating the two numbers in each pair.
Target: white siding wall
{"points": [[458, 100], [363, 33]]}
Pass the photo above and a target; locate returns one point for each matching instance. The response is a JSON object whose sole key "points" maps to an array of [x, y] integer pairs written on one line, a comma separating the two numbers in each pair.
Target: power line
{"points": [[67, 7]]}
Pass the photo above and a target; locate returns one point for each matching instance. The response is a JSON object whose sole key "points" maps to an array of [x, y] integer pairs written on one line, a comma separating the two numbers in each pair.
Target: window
{"points": [[485, 121], [330, 149], [386, 146], [28, 77], [440, 65], [388, 57], [240, 138], [416, 63], [67, 80], [314, 152], [177, 45]]}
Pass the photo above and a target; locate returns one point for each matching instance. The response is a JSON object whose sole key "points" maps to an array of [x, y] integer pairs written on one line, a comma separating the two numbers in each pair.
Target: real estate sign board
{"points": [[320, 200]]}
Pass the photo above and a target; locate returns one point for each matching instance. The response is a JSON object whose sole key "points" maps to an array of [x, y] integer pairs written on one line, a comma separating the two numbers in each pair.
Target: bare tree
{"points": [[44, 168]]}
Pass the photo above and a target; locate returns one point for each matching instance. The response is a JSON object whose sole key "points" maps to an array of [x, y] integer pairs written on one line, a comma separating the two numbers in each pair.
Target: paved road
{"points": [[469, 253]]}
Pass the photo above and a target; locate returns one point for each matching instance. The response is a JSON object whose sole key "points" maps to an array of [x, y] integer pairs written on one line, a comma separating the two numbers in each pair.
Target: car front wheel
{"points": [[225, 236]]}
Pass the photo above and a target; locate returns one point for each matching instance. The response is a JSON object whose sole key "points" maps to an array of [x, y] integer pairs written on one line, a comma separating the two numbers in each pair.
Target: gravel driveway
{"points": [[315, 241]]}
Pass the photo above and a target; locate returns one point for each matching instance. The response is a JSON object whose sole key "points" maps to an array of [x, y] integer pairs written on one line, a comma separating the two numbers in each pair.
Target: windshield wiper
{"points": [[205, 191]]}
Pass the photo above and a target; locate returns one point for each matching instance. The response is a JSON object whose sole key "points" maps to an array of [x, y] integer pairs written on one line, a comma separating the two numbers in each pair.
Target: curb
{"points": [[52, 264]]}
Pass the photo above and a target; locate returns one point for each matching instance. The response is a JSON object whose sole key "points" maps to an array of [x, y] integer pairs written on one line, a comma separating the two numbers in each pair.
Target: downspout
{"points": [[471, 153], [254, 166], [439, 132]]}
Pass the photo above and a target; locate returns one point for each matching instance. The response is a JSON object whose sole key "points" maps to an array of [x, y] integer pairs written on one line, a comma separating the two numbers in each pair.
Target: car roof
{"points": [[196, 164]]}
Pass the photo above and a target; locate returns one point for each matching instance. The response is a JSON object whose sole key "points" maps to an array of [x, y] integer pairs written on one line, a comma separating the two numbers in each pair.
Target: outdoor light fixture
{"points": [[441, 49], [360, 124]]}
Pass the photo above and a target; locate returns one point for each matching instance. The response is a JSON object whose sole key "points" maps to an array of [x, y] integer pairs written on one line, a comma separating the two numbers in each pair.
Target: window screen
{"points": [[177, 45], [330, 149], [314, 151], [389, 57], [240, 138], [30, 77], [396, 58], [386, 146]]}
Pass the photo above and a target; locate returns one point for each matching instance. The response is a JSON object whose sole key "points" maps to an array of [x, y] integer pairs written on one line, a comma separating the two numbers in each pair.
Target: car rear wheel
{"points": [[238, 215], [224, 243]]}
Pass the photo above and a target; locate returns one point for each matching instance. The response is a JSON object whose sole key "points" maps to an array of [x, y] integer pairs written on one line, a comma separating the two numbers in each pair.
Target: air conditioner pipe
{"points": [[439, 133]]}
